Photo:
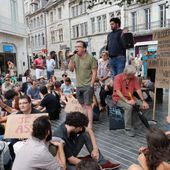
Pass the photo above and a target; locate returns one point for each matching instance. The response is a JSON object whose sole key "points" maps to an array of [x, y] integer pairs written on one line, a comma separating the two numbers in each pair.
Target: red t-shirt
{"points": [[39, 63], [121, 85]]}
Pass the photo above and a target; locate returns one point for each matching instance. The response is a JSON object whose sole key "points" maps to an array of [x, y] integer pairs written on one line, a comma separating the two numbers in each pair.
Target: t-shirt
{"points": [[67, 89], [39, 63], [34, 93], [83, 68], [33, 111], [50, 64], [70, 142], [34, 155], [52, 106]]}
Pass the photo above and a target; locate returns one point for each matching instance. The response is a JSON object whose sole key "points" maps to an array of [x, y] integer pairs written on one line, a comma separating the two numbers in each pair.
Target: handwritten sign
{"points": [[73, 105], [20, 125], [163, 37]]}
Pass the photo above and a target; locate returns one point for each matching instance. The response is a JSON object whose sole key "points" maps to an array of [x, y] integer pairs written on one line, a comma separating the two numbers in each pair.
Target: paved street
{"points": [[114, 144]]}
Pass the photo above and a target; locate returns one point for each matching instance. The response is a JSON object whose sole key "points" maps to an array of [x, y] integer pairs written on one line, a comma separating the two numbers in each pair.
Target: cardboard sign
{"points": [[20, 125], [162, 78], [163, 37], [73, 105]]}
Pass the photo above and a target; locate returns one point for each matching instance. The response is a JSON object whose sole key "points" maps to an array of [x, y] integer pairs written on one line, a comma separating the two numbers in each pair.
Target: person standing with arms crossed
{"points": [[85, 67]]}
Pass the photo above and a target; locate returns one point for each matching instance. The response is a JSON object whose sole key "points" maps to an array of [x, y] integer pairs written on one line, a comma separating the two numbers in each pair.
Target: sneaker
{"points": [[129, 132], [110, 165]]}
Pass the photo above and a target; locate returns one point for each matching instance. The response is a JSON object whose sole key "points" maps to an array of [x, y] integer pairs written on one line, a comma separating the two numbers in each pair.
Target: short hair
{"points": [[105, 52], [130, 69], [64, 75], [116, 20], [57, 84], [68, 80], [89, 164], [76, 119], [83, 43], [10, 94], [43, 90], [25, 97], [41, 126]]}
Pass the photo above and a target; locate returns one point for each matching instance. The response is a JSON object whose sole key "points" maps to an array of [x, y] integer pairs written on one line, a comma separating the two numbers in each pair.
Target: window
{"points": [[82, 29], [26, 7], [99, 26], [81, 8], [61, 35], [39, 40], [77, 10], [14, 10], [35, 23], [59, 13], [86, 28], [51, 17], [104, 22], [74, 31], [147, 19], [38, 21], [52, 36], [162, 15], [32, 41], [41, 19], [43, 39], [134, 21], [93, 25], [36, 44]]}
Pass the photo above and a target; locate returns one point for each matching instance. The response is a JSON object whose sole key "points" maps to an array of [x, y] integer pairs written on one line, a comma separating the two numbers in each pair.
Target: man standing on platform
{"points": [[85, 67], [117, 53]]}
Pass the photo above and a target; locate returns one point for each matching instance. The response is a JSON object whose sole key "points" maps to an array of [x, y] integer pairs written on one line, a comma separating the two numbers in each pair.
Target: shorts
{"points": [[85, 95]]}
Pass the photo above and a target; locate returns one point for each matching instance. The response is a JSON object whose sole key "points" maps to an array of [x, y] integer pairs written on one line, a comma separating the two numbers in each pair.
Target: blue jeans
{"points": [[117, 64], [49, 74]]}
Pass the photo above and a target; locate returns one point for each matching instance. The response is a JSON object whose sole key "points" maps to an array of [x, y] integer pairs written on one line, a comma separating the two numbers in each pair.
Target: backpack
{"points": [[127, 40]]}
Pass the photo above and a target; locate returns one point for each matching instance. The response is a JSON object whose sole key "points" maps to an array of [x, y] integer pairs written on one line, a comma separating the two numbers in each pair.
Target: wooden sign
{"points": [[73, 105], [20, 125]]}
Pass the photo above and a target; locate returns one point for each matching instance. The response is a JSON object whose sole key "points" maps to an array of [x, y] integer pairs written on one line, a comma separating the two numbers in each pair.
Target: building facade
{"points": [[143, 20], [12, 36]]}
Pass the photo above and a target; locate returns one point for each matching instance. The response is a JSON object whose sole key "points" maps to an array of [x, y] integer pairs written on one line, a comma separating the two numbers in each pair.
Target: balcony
{"points": [[143, 29], [13, 28]]}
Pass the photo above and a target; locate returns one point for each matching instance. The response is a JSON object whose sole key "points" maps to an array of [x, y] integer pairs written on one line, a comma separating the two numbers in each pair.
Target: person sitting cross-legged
{"points": [[34, 154], [75, 134], [124, 86]]}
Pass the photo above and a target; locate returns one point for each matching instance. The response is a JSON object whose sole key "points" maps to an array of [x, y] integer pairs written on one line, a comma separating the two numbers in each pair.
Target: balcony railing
{"points": [[10, 27], [148, 28]]}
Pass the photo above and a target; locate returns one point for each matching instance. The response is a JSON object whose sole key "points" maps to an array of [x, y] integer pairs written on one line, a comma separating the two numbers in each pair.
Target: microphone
{"points": [[74, 52]]}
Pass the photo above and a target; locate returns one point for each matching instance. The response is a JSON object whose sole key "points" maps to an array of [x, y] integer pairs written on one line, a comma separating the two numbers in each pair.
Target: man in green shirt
{"points": [[85, 67]]}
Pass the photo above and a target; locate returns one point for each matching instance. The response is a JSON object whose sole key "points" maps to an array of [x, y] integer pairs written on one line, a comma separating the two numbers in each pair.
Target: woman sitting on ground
{"points": [[157, 155]]}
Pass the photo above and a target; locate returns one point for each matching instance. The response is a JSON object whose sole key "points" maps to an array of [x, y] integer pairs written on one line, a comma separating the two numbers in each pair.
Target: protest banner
{"points": [[20, 125], [73, 105]]}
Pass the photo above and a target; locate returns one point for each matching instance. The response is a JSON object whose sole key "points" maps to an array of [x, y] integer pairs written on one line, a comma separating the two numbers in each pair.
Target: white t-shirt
{"points": [[50, 64], [67, 90]]}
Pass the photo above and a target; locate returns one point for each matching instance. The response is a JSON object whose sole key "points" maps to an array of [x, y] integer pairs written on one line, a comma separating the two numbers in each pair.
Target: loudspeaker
{"points": [[127, 40]]}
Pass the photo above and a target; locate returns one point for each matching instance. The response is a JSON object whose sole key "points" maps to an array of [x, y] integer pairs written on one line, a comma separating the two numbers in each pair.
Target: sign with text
{"points": [[163, 78], [163, 37], [20, 125], [73, 105]]}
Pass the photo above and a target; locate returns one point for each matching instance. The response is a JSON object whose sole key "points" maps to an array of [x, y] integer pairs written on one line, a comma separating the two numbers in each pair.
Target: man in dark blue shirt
{"points": [[115, 47]]}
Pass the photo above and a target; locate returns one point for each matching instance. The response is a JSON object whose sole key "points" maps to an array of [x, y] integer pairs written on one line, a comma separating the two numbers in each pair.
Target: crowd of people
{"points": [[60, 149]]}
